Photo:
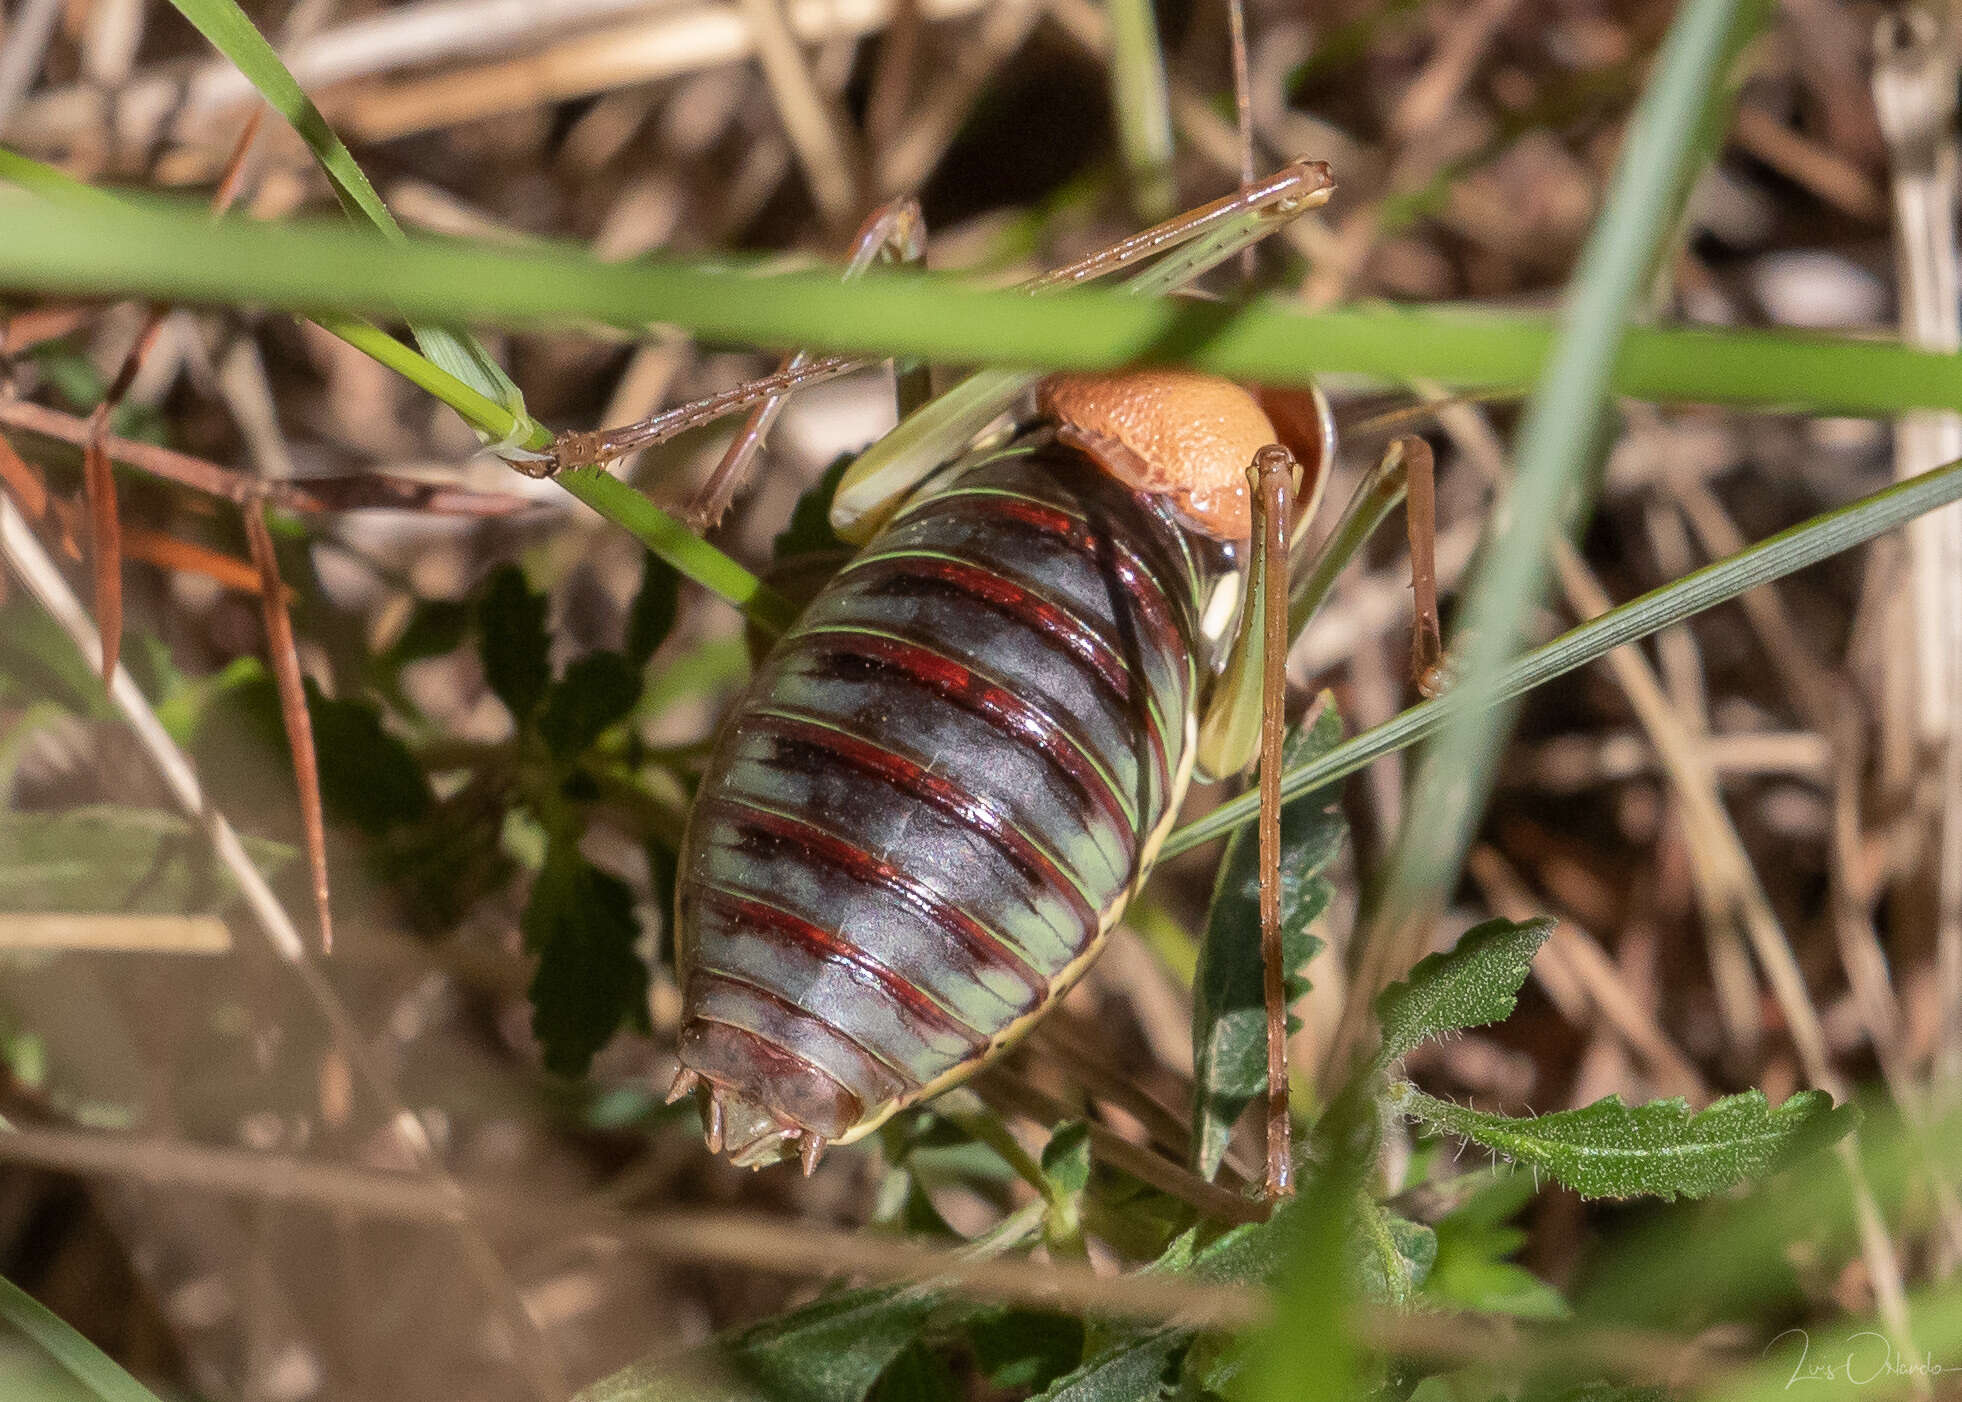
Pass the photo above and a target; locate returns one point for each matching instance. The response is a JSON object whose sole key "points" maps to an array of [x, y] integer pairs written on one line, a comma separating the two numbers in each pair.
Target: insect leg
{"points": [[1184, 247], [1216, 231], [895, 231], [1272, 477]]}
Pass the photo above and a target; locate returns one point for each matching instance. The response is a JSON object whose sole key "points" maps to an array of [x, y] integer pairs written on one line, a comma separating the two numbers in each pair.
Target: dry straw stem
{"points": [[1819, 698], [810, 119], [1726, 885], [675, 39], [197, 105], [30, 562], [903, 164], [1914, 78], [123, 934], [1201, 128], [760, 1244], [23, 45]]}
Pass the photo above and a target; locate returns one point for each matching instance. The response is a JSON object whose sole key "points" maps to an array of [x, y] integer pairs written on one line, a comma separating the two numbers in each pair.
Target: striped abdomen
{"points": [[937, 795]]}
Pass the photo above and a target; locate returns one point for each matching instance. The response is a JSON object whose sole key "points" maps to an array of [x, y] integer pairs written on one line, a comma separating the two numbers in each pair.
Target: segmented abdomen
{"points": [[938, 791]]}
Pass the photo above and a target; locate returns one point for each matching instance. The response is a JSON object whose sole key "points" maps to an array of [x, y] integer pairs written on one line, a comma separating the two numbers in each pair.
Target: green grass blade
{"points": [[490, 417], [671, 541], [1143, 108], [225, 25], [147, 248], [613, 499], [1770, 559], [83, 1361], [1559, 439]]}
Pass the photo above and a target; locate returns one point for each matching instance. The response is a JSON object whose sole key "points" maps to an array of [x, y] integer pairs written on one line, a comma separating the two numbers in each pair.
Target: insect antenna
{"points": [[1236, 18]]}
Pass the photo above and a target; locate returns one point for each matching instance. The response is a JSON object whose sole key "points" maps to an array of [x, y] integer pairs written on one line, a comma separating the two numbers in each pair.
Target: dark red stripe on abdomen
{"points": [[1153, 607], [844, 649], [775, 923], [1047, 620], [826, 743], [814, 844]]}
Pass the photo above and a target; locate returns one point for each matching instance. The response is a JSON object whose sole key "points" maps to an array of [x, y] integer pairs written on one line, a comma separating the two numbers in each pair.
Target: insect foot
{"points": [[759, 1104]]}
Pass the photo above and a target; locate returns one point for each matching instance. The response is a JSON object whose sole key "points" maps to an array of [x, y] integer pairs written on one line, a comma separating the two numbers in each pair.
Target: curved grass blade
{"points": [[1143, 107], [491, 418], [225, 25], [674, 542], [1771, 559], [1559, 437], [611, 498], [82, 1360], [153, 248]]}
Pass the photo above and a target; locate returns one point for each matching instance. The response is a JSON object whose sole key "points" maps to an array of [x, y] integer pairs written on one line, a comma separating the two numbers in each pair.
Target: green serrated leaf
{"points": [[112, 858], [1229, 1011], [1475, 1242], [834, 1350], [1132, 1370], [436, 627], [513, 643], [653, 611], [580, 923], [831, 1351], [450, 859], [1022, 1349], [596, 690], [367, 776], [1661, 1149], [917, 1375], [1474, 982]]}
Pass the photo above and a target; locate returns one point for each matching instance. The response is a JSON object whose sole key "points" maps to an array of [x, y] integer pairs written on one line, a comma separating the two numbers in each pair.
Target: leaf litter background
{"points": [[1471, 143]]}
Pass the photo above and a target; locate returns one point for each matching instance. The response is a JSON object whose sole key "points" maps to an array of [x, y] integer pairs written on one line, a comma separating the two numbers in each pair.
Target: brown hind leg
{"points": [[895, 231], [1272, 478]]}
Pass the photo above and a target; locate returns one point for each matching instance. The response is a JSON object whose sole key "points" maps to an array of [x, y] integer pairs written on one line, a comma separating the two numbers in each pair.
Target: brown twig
{"points": [[305, 497], [725, 1237], [105, 531], [98, 477], [285, 656], [1420, 512]]}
